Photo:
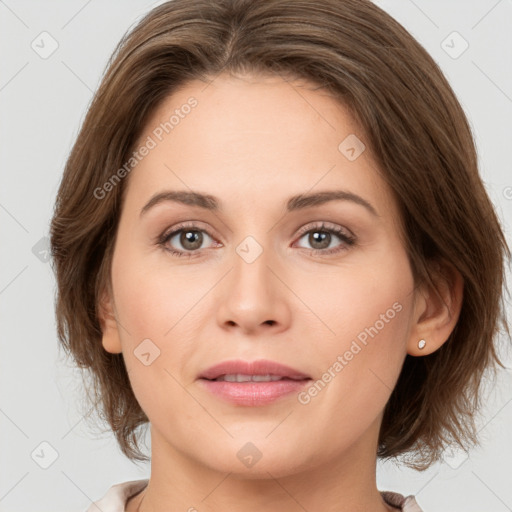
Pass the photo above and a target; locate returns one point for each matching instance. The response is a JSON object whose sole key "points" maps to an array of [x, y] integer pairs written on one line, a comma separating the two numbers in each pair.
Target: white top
{"points": [[116, 497]]}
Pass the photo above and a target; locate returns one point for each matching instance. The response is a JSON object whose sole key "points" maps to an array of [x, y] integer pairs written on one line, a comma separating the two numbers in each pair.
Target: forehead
{"points": [[253, 137]]}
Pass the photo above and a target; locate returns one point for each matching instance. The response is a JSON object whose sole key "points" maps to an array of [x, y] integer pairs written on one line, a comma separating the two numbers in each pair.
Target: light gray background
{"points": [[42, 104]]}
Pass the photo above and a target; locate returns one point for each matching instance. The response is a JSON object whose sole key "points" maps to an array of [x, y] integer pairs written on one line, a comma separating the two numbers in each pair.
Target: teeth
{"points": [[239, 377]]}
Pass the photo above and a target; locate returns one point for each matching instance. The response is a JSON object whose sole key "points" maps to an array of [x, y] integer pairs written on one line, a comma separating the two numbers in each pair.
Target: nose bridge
{"points": [[253, 246], [252, 262]]}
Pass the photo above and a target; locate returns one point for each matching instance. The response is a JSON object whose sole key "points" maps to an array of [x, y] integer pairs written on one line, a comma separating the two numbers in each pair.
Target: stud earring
{"points": [[421, 344]]}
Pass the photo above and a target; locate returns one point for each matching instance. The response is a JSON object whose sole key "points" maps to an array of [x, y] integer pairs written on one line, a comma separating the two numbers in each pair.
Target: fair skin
{"points": [[253, 142]]}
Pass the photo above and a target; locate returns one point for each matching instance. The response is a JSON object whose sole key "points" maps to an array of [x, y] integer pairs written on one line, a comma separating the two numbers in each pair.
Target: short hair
{"points": [[412, 124]]}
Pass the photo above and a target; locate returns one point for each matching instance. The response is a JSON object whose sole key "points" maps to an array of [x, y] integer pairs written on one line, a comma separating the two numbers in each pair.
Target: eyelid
{"points": [[324, 225]]}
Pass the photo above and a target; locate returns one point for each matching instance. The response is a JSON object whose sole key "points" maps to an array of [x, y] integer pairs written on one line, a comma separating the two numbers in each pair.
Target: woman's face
{"points": [[260, 277]]}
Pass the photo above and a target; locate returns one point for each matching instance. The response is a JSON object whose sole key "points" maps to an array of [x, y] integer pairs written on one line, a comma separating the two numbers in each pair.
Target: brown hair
{"points": [[417, 133]]}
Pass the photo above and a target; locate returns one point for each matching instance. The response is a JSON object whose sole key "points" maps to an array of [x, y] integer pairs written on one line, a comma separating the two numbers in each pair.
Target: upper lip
{"points": [[258, 367]]}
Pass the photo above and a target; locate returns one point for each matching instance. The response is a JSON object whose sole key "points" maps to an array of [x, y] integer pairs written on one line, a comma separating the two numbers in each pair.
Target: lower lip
{"points": [[253, 393]]}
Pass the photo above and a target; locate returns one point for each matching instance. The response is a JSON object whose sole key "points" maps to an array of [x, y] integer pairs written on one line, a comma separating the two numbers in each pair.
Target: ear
{"points": [[436, 309], [106, 312]]}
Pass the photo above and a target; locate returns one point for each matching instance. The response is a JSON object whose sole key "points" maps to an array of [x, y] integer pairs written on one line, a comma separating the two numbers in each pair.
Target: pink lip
{"points": [[253, 393], [258, 367]]}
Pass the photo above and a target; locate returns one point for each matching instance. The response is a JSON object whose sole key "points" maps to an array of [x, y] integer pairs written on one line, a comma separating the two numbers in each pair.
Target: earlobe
{"points": [[437, 310], [110, 340]]}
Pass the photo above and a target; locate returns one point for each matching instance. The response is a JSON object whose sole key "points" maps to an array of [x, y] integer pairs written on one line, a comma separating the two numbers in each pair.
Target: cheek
{"points": [[165, 304], [152, 299], [371, 321], [152, 308], [367, 301]]}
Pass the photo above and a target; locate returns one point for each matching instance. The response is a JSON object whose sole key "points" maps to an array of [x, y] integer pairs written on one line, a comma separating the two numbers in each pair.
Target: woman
{"points": [[272, 244]]}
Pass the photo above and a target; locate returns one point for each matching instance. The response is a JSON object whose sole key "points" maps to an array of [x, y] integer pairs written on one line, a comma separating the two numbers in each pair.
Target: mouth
{"points": [[256, 383], [252, 371]]}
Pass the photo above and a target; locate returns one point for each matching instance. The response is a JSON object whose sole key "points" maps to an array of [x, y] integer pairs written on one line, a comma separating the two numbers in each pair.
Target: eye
{"points": [[321, 238], [190, 237]]}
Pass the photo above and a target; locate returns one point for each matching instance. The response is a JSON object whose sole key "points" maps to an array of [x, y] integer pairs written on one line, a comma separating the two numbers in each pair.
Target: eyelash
{"points": [[349, 240]]}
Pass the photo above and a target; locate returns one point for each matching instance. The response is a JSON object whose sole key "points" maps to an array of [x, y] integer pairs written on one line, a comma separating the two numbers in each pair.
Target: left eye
{"points": [[190, 239], [320, 239]]}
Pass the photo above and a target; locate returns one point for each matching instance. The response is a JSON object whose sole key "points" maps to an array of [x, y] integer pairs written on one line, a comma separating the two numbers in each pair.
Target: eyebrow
{"points": [[294, 203]]}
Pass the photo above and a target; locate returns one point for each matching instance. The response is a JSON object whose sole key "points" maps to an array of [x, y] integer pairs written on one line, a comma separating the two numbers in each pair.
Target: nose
{"points": [[253, 297]]}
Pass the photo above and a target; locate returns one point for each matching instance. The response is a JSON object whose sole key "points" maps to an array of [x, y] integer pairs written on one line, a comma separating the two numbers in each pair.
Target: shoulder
{"points": [[116, 497], [403, 503]]}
